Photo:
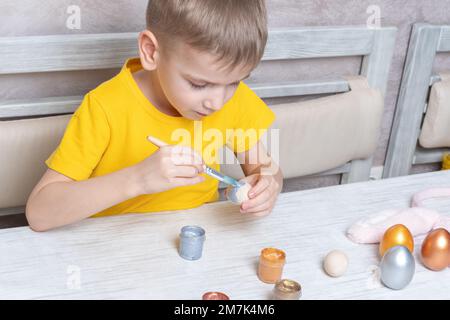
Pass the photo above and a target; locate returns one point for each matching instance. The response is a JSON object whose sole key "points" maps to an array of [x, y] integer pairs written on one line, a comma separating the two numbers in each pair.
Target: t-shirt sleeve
{"points": [[84, 142], [252, 118]]}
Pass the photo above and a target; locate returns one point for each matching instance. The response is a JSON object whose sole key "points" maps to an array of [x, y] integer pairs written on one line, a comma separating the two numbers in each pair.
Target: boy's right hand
{"points": [[169, 167]]}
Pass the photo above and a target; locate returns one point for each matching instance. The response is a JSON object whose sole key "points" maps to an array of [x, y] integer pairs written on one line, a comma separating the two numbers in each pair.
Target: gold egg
{"points": [[397, 235], [436, 249]]}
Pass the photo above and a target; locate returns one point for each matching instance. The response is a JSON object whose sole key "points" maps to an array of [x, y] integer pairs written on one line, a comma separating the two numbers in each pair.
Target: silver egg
{"points": [[397, 267]]}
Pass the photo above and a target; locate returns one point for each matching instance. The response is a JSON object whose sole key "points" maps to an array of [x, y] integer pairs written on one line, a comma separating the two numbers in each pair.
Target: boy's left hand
{"points": [[262, 195]]}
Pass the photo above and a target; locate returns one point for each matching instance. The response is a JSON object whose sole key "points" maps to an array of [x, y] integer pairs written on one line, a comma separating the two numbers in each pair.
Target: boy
{"points": [[192, 59]]}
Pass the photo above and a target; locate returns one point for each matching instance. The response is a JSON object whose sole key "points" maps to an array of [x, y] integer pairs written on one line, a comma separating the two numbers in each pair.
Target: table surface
{"points": [[135, 256]]}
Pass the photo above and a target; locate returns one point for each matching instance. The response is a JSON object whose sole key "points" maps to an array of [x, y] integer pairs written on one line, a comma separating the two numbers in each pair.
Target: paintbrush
{"points": [[208, 170]]}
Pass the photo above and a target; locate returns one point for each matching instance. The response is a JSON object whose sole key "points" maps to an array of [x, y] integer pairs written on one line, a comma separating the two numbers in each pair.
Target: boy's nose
{"points": [[213, 105], [216, 99]]}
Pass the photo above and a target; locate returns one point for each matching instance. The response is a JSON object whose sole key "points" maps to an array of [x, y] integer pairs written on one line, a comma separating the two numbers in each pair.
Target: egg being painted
{"points": [[238, 195], [435, 251], [397, 235]]}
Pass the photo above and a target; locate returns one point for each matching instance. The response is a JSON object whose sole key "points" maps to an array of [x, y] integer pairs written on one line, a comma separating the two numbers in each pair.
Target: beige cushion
{"points": [[25, 145], [325, 133], [436, 126]]}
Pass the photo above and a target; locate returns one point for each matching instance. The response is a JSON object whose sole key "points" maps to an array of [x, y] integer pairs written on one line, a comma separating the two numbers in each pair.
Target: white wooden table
{"points": [[135, 256]]}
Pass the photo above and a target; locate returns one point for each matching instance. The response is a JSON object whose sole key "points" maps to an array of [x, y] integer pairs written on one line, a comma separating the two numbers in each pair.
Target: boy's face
{"points": [[194, 83]]}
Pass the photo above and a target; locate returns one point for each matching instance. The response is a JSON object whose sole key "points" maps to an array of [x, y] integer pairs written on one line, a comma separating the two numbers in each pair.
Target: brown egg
{"points": [[436, 249], [397, 235]]}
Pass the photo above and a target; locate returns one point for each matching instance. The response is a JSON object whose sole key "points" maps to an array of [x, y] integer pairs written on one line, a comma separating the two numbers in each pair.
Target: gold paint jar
{"points": [[446, 161], [287, 290]]}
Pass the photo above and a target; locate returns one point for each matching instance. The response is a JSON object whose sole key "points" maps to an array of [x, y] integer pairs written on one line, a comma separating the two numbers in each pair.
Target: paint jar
{"points": [[215, 296], [191, 242], [271, 263], [287, 290], [446, 161]]}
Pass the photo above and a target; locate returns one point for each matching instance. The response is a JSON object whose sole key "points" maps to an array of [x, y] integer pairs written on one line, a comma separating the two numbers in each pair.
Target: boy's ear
{"points": [[148, 50]]}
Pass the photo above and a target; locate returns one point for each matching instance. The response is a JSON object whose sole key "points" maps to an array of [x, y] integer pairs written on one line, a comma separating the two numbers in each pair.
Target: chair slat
{"points": [[61, 105], [102, 51], [424, 156], [444, 44]]}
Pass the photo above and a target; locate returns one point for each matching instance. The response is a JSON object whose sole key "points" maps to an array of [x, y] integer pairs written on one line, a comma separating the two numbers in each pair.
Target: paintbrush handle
{"points": [[213, 173], [221, 177], [157, 142]]}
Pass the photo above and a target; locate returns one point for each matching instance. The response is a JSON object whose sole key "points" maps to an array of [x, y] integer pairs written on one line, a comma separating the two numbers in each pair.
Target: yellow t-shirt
{"points": [[109, 130]]}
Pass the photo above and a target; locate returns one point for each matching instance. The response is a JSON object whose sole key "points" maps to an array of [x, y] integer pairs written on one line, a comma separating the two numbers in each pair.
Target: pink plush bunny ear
{"points": [[420, 197], [371, 229]]}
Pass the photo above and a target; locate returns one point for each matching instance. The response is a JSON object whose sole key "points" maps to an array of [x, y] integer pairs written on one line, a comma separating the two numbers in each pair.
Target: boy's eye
{"points": [[196, 86]]}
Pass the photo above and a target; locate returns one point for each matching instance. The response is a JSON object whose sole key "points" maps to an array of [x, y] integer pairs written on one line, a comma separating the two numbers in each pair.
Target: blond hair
{"points": [[233, 30]]}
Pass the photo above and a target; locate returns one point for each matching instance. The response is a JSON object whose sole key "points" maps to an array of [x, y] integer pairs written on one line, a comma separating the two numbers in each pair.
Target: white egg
{"points": [[335, 263]]}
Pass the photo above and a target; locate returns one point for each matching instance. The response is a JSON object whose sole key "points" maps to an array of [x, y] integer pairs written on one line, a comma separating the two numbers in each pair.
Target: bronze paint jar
{"points": [[215, 296], [271, 263]]}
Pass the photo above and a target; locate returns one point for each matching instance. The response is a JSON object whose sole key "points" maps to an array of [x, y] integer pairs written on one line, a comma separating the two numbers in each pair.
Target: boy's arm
{"points": [[256, 159], [264, 175], [58, 200]]}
